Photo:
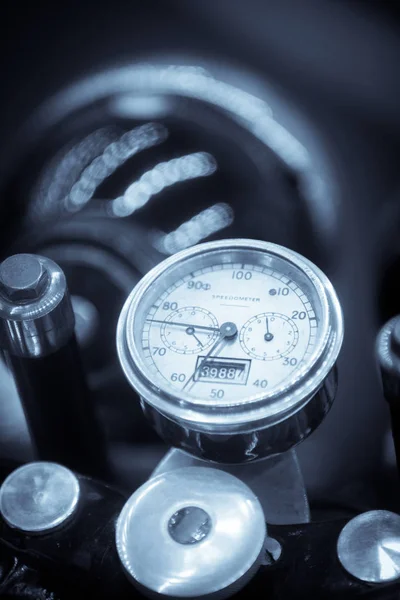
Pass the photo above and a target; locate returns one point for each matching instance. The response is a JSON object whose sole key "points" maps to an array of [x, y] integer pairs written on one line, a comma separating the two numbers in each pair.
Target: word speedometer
{"points": [[228, 323]]}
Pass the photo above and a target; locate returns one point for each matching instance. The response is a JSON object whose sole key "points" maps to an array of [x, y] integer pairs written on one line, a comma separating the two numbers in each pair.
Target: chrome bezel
{"points": [[259, 408]]}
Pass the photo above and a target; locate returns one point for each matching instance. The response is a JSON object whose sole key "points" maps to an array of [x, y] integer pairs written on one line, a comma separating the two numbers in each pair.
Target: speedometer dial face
{"points": [[232, 337], [228, 325]]}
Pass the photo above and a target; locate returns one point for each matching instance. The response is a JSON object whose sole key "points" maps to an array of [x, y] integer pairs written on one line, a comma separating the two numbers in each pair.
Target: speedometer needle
{"points": [[184, 324], [227, 331]]}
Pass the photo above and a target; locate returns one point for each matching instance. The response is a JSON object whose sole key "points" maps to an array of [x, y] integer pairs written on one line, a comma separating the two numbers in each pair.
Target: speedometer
{"points": [[230, 336]]}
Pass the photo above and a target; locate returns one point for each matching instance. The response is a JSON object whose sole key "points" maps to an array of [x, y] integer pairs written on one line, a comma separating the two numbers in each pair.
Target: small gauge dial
{"points": [[188, 330], [270, 336]]}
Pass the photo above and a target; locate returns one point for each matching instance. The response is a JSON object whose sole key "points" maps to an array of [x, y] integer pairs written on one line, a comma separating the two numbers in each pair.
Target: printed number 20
{"points": [[299, 315]]}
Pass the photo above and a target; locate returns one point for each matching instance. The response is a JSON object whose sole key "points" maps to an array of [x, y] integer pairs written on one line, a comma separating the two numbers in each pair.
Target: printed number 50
{"points": [[217, 393]]}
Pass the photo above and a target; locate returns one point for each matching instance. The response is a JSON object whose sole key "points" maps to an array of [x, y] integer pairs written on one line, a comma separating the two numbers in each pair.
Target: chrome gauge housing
{"points": [[232, 346]]}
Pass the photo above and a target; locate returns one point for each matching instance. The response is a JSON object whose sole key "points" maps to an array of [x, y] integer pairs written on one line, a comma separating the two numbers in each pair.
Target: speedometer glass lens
{"points": [[220, 324]]}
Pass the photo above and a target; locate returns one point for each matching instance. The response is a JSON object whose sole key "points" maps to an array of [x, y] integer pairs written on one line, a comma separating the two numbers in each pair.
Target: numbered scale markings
{"points": [[274, 310], [228, 336]]}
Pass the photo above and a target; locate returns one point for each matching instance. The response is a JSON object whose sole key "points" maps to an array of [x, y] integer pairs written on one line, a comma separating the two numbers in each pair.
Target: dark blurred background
{"points": [[278, 120]]}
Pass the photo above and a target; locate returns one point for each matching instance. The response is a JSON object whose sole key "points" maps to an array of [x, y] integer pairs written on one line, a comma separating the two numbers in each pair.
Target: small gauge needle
{"points": [[190, 331], [227, 331], [183, 324], [268, 337]]}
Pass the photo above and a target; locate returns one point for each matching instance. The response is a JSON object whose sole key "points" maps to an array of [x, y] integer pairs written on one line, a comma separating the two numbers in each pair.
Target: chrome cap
{"points": [[38, 497], [369, 546], [190, 532], [387, 350], [36, 315]]}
